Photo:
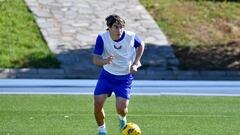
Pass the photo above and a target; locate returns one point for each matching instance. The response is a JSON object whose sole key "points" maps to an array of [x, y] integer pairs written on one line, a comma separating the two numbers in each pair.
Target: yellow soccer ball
{"points": [[131, 129]]}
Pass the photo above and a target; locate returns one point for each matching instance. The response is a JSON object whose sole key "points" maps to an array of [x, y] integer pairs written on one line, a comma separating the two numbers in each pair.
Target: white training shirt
{"points": [[123, 53]]}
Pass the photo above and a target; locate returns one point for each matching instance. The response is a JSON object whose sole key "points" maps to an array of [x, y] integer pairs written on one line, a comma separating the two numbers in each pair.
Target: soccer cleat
{"points": [[102, 133]]}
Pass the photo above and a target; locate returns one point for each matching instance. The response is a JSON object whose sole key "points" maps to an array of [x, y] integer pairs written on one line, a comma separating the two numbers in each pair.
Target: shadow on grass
{"points": [[37, 60], [209, 57], [223, 0], [156, 56]]}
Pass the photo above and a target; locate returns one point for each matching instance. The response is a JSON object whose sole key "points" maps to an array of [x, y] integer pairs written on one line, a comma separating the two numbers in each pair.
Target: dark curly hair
{"points": [[111, 19]]}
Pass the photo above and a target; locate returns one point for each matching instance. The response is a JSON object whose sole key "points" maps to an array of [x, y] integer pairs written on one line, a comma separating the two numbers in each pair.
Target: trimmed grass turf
{"points": [[73, 114]]}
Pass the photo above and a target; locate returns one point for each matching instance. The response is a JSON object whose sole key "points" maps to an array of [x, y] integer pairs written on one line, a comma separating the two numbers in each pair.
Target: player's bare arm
{"points": [[99, 61], [139, 52]]}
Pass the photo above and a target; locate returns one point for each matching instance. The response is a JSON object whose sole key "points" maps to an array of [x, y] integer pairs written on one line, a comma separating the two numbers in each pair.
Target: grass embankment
{"points": [[21, 44], [204, 34]]}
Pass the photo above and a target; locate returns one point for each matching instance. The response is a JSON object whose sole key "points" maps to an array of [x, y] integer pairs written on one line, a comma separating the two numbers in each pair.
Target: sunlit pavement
{"points": [[140, 87]]}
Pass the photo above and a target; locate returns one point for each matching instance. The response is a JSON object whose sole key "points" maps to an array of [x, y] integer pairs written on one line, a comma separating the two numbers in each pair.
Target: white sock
{"points": [[122, 118], [102, 129]]}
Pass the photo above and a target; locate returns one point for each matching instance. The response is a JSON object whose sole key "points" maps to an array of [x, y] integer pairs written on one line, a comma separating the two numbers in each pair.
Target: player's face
{"points": [[116, 31]]}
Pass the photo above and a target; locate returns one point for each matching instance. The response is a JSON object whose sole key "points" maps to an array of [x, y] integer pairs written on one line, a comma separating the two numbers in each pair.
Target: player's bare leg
{"points": [[99, 101], [122, 110]]}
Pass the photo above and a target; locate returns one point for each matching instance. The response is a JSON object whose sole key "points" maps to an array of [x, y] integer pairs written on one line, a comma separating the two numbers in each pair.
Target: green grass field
{"points": [[156, 115], [21, 43]]}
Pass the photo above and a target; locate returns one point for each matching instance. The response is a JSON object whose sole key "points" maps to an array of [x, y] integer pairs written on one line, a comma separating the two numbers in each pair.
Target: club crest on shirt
{"points": [[119, 47]]}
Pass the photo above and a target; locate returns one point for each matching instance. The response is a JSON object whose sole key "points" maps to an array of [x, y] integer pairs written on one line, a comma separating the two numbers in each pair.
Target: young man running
{"points": [[119, 52]]}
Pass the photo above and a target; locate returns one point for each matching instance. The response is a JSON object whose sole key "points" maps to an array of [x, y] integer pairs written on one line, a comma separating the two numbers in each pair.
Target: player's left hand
{"points": [[133, 68]]}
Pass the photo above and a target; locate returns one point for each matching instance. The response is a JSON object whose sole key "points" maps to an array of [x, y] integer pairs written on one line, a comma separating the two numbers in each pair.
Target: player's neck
{"points": [[115, 37]]}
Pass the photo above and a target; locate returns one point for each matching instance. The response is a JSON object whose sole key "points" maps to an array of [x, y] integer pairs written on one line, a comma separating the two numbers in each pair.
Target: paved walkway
{"points": [[74, 24], [70, 28], [140, 87]]}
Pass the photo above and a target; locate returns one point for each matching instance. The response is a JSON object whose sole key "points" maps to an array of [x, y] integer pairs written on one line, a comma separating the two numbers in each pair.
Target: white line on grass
{"points": [[157, 115], [178, 115], [166, 115]]}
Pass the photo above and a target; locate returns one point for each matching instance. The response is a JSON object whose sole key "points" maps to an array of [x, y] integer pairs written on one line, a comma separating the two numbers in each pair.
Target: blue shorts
{"points": [[119, 84]]}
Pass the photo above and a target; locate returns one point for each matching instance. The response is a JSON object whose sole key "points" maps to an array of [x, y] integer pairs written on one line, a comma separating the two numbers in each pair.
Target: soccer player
{"points": [[118, 52]]}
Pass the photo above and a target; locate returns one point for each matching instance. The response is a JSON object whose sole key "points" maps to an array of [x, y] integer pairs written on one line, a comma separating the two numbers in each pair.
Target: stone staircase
{"points": [[70, 28]]}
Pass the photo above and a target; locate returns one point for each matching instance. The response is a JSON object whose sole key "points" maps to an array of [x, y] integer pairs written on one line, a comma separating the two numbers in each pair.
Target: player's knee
{"points": [[122, 110]]}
